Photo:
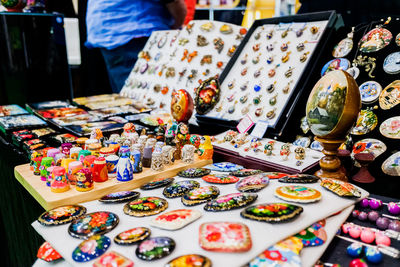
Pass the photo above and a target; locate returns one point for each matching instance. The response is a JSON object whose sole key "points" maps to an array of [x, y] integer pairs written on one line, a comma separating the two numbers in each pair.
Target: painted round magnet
{"points": [[113, 259], [194, 172], [272, 212], [190, 260], [155, 248], [61, 215], [252, 183], [245, 172], [391, 63], [375, 40], [312, 236], [343, 48], [47, 253], [95, 223], [225, 237], [298, 193], [132, 236], [299, 179], [119, 197], [390, 96], [178, 189], [390, 128], [230, 201], [145, 206], [91, 248], [175, 219], [157, 183], [391, 166], [340, 188], [220, 179], [200, 195], [370, 91], [366, 122], [335, 64], [224, 167]]}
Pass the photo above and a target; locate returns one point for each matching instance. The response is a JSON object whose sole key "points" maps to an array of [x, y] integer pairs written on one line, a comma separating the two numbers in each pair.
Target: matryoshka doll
{"points": [[74, 152], [128, 129], [88, 162], [100, 171], [46, 163], [36, 165], [65, 149], [206, 149], [59, 183], [84, 181], [73, 168], [34, 155]]}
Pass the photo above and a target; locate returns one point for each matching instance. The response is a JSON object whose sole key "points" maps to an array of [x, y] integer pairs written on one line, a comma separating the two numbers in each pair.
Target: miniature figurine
{"points": [[206, 150]]}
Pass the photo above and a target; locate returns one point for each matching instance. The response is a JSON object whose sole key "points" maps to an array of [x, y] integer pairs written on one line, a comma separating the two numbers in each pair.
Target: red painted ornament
{"points": [[181, 105]]}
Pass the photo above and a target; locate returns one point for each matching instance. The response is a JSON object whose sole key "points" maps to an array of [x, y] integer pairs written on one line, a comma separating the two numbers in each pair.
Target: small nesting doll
{"points": [[84, 181], [206, 149], [59, 183], [100, 171]]}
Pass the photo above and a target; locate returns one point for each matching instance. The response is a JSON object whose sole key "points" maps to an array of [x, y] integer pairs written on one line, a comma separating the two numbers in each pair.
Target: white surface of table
{"points": [[263, 234]]}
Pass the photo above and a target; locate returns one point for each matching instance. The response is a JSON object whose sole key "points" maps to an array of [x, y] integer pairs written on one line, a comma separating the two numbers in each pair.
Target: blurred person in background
{"points": [[120, 28]]}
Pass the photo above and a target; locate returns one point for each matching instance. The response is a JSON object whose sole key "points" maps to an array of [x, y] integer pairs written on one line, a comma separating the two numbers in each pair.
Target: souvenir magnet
{"points": [[92, 248], [113, 258], [299, 179], [390, 96], [47, 253], [119, 197], [95, 223], [244, 172], [297, 193], [200, 195], [220, 179], [340, 188], [230, 201], [252, 183], [370, 91], [391, 64], [175, 219], [157, 183], [178, 189], [223, 167], [155, 248], [194, 172], [61, 215], [272, 212], [190, 260], [132, 236]]}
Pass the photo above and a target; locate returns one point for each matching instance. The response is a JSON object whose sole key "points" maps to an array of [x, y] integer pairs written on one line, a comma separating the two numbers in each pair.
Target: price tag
{"points": [[260, 129], [245, 124]]}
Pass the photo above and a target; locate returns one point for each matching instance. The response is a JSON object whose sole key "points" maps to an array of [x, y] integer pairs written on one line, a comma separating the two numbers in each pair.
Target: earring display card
{"points": [[179, 59], [269, 152]]}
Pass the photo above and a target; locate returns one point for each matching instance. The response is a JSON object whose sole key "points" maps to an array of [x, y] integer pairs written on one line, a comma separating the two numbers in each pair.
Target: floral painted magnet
{"points": [[220, 179], [145, 206], [47, 253], [132, 236], [91, 248], [230, 201], [175, 219], [155, 248], [118, 197], [190, 260], [252, 183], [178, 189], [113, 259], [96, 223], [157, 183], [297, 193], [61, 215], [200, 195], [224, 167]]}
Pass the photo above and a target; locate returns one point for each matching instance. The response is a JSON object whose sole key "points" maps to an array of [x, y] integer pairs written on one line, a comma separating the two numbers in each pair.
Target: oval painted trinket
{"points": [[178, 189], [47, 253], [157, 183], [91, 248], [272, 212], [145, 206], [369, 145], [155, 248], [252, 183], [335, 64], [245, 172], [340, 188], [366, 122], [119, 197], [275, 175], [61, 215], [224, 167], [390, 96], [200, 195], [230, 201], [391, 166], [220, 179], [175, 219], [370, 91], [299, 179], [190, 260], [375, 40], [298, 193], [132, 236], [390, 128], [95, 223], [194, 172]]}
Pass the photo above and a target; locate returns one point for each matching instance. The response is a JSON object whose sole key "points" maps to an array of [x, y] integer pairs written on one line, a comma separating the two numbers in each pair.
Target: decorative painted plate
{"points": [[194, 172], [369, 145], [92, 248], [298, 193], [145, 206], [340, 188], [95, 223], [61, 215], [155, 248], [113, 259], [391, 63], [285, 253], [313, 236], [225, 237], [157, 183], [375, 40], [119, 197], [230, 201], [200, 195], [47, 253], [224, 167], [391, 166], [220, 179], [366, 122], [299, 179], [335, 64], [245, 172], [390, 96], [175, 219], [178, 189], [302, 141], [390, 128], [272, 212], [132, 236], [252, 183], [370, 91], [275, 175], [190, 260]]}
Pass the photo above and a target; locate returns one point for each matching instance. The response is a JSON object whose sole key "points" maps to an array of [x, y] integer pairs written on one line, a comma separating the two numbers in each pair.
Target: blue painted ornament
{"points": [[354, 250], [373, 255], [91, 248], [257, 88]]}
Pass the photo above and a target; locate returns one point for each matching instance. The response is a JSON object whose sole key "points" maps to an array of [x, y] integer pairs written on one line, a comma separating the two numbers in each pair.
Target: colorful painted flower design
{"points": [[132, 234], [147, 203], [202, 192], [175, 215], [298, 190], [155, 248], [228, 198]]}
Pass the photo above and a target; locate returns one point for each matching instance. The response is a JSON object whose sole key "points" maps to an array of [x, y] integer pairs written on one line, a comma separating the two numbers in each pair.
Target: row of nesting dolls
{"points": [[75, 165]]}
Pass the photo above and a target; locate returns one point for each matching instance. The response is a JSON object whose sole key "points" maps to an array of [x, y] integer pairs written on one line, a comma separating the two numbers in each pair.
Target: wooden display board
{"points": [[49, 200]]}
